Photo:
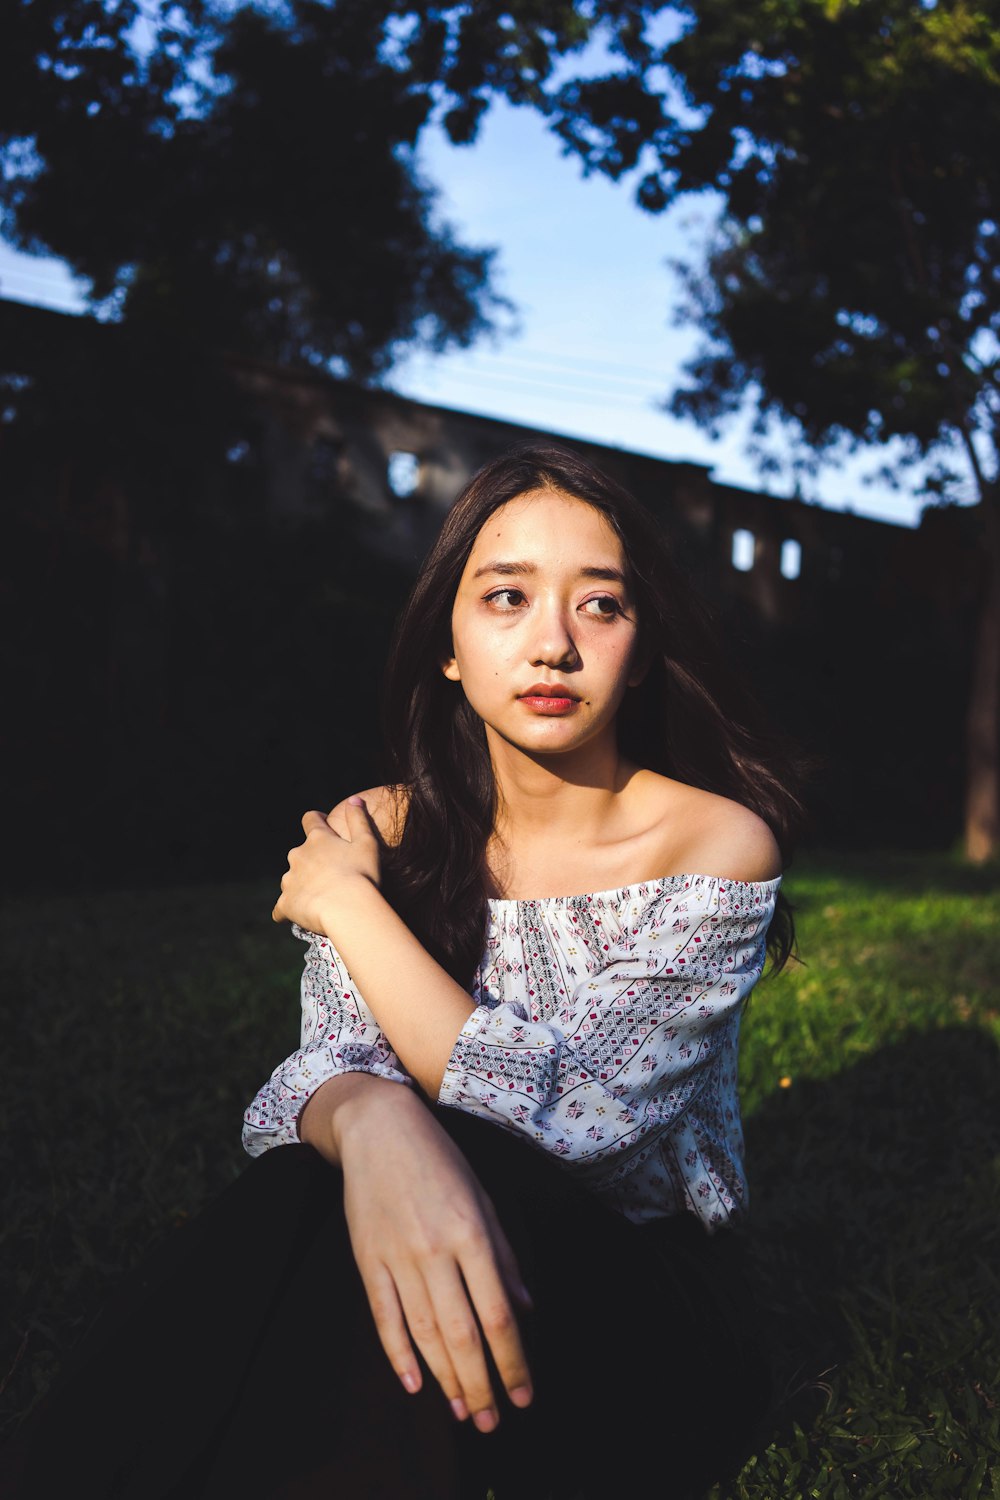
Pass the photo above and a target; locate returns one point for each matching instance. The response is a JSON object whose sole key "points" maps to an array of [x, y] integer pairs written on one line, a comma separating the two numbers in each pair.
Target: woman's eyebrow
{"points": [[610, 575], [506, 569], [519, 569]]}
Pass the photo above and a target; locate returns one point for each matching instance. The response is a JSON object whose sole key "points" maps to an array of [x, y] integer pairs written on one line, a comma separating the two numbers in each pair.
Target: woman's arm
{"points": [[331, 886], [426, 1241], [633, 1062], [339, 1035], [436, 1266], [625, 1059], [549, 1069]]}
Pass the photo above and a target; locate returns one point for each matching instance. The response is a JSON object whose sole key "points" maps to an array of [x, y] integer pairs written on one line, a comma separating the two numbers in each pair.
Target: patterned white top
{"points": [[605, 1031]]}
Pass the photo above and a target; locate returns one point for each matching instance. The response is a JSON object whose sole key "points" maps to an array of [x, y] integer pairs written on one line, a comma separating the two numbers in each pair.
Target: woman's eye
{"points": [[605, 607], [505, 599]]}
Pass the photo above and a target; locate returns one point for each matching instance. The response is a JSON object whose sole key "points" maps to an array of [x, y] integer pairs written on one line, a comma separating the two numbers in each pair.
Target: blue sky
{"points": [[593, 348]]}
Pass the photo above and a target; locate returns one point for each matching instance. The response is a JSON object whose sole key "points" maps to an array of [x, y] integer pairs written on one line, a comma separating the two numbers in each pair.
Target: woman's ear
{"points": [[642, 664], [450, 669]]}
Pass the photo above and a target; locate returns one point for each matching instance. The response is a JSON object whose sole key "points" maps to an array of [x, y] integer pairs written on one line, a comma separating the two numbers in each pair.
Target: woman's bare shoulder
{"points": [[702, 833], [386, 807]]}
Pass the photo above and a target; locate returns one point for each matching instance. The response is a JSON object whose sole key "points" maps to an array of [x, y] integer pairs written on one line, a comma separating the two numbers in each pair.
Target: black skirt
{"points": [[241, 1359]]}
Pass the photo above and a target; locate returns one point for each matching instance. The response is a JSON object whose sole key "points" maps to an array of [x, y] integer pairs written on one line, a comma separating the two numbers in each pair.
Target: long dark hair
{"points": [[689, 719]]}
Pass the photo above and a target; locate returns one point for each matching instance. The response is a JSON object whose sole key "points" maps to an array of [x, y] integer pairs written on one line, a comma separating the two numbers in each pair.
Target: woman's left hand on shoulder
{"points": [[337, 850]]}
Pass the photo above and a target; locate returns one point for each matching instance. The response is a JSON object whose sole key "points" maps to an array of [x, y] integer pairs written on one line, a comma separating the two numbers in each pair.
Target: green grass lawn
{"points": [[137, 1026]]}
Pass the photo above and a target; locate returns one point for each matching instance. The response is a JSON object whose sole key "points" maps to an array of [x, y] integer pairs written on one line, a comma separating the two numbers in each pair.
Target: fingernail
{"points": [[485, 1421], [521, 1395], [459, 1408], [356, 801], [410, 1381]]}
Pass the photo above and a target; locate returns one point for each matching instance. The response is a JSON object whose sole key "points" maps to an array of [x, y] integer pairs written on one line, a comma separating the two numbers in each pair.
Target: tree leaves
{"points": [[265, 199]]}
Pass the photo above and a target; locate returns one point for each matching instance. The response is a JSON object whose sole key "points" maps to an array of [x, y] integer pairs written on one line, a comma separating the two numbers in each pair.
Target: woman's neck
{"points": [[565, 799], [559, 819]]}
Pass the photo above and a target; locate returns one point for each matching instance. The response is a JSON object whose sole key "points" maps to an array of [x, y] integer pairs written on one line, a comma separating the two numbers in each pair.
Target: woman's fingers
{"points": [[390, 1325], [458, 1330], [437, 1267], [335, 850], [311, 820], [403, 1308], [462, 1301], [510, 1271], [498, 1322], [437, 1310], [364, 837]]}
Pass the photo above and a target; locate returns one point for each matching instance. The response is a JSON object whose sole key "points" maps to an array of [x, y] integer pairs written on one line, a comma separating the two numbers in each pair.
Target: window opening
{"points": [[791, 558], [404, 473], [744, 547]]}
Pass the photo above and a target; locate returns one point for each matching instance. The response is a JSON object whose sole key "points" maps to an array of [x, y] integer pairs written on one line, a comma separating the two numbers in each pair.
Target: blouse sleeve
{"points": [[339, 1035], [622, 1055]]}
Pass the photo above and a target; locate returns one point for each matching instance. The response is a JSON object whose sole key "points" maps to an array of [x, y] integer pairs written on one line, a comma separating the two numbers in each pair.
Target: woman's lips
{"points": [[548, 701]]}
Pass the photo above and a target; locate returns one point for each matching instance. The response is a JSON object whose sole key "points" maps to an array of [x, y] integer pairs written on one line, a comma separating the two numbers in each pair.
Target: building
{"points": [[181, 540]]}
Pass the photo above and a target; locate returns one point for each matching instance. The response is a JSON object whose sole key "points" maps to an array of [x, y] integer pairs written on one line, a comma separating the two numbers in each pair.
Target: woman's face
{"points": [[544, 632]]}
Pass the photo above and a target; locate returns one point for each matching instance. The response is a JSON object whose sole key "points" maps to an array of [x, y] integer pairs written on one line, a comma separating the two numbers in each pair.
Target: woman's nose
{"points": [[553, 644]]}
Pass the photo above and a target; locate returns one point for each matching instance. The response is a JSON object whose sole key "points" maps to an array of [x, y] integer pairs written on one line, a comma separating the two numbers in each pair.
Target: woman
{"points": [[527, 960]]}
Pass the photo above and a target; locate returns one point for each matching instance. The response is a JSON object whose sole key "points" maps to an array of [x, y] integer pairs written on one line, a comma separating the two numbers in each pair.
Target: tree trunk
{"points": [[982, 786]]}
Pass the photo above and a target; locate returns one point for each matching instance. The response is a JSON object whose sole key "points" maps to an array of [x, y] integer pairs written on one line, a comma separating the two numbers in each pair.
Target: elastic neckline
{"points": [[621, 892]]}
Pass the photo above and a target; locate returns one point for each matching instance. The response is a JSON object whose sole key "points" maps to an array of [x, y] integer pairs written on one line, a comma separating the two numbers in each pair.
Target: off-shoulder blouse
{"points": [[605, 1032]]}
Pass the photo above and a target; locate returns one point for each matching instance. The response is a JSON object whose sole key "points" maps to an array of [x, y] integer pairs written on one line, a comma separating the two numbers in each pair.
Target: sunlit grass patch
{"points": [[889, 945]]}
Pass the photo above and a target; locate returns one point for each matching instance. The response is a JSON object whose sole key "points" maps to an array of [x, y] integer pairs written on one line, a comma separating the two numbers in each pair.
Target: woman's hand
{"points": [[434, 1260], [319, 867]]}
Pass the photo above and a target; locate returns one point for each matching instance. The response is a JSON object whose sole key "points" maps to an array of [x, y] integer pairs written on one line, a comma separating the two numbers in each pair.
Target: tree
{"points": [[247, 178], [249, 172], [252, 175], [853, 286]]}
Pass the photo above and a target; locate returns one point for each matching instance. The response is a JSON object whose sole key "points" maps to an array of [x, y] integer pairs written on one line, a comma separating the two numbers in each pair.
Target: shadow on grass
{"points": [[876, 1235], [916, 874]]}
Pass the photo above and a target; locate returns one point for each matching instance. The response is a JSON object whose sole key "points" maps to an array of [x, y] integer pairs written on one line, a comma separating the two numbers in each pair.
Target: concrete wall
{"points": [[357, 432]]}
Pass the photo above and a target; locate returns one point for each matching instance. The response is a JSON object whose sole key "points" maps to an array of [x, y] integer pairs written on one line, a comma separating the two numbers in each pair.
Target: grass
{"points": [[140, 1024]]}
